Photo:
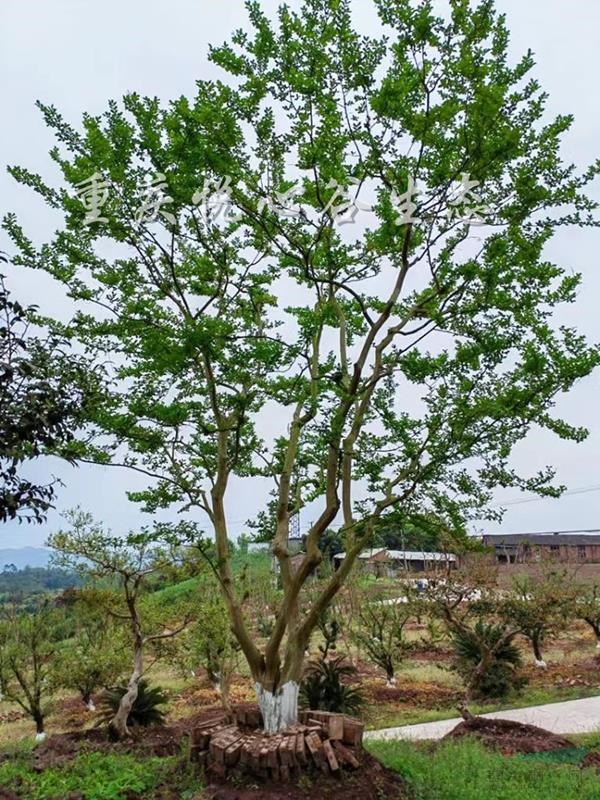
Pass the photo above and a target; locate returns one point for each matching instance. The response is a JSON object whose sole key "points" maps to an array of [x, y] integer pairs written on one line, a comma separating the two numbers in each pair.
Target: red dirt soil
{"points": [[509, 737], [371, 782], [159, 741], [429, 695], [591, 761]]}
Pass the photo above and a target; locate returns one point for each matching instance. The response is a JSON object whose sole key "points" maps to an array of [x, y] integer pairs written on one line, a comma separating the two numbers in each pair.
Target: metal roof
{"points": [[403, 555], [548, 538], [416, 555]]}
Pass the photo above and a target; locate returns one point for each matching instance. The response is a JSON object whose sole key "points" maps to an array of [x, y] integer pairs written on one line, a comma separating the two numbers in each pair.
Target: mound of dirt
{"points": [[591, 761], [371, 781], [154, 741], [509, 737], [63, 747]]}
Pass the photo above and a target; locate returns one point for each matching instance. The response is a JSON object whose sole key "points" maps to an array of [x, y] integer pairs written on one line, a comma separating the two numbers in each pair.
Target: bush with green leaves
{"points": [[379, 631], [324, 687], [146, 709], [210, 644], [543, 605], [28, 644], [329, 628], [95, 657], [487, 661]]}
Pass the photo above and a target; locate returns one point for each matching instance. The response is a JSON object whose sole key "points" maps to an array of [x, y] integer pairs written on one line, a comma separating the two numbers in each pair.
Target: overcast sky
{"points": [[77, 54]]}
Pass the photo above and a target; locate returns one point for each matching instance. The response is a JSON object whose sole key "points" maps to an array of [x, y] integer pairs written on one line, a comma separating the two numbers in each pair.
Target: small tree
{"points": [[541, 605], [380, 632], [587, 607], [95, 656], [210, 643], [329, 628], [479, 622], [27, 649], [129, 563]]}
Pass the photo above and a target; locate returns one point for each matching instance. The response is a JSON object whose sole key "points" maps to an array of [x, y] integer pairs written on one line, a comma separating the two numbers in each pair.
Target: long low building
{"points": [[390, 563], [582, 547]]}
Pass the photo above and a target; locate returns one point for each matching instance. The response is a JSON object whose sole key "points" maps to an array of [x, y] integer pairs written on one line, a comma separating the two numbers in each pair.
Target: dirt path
{"points": [[572, 716]]}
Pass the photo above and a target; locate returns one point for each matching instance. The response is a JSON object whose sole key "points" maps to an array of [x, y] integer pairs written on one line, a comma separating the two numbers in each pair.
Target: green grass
{"points": [[97, 776], [465, 771], [176, 592], [383, 717]]}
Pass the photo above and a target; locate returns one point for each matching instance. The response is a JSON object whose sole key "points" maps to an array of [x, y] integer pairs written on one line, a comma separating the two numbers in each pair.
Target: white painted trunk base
{"points": [[280, 708], [541, 664], [90, 705], [39, 737], [597, 646]]}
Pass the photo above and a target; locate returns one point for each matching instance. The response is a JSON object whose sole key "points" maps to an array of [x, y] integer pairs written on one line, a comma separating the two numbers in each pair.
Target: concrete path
{"points": [[573, 716]]}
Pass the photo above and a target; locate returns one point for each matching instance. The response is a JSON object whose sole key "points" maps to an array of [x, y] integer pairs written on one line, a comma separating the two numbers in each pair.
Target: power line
{"points": [[577, 490]]}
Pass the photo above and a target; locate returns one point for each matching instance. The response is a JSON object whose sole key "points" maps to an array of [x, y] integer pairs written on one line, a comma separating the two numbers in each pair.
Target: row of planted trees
{"points": [[119, 624], [136, 609], [482, 626]]}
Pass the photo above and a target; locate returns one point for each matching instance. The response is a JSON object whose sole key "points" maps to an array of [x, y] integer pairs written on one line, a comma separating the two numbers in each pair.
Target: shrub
{"points": [[501, 676], [329, 628], [146, 709], [94, 776], [380, 632], [323, 687]]}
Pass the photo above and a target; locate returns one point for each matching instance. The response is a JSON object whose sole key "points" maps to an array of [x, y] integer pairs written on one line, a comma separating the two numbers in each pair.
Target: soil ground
{"points": [[371, 781], [508, 737]]}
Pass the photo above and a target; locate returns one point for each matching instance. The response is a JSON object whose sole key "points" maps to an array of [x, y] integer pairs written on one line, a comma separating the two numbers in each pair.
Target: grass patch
{"points": [[97, 776], [465, 771], [382, 716]]}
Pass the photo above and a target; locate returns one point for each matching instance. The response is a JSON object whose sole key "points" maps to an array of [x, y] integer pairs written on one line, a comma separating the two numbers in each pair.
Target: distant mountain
{"points": [[24, 557]]}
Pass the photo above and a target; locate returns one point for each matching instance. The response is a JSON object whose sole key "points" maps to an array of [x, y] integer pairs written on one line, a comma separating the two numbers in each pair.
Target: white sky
{"points": [[77, 54]]}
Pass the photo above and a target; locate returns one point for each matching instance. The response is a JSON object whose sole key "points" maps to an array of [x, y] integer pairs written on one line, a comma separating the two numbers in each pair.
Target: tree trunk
{"points": [[537, 651], [595, 626], [40, 734], [279, 707], [118, 725], [87, 700], [390, 674]]}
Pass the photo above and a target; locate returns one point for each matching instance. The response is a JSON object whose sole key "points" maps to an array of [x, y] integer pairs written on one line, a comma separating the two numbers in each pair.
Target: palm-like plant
{"points": [[146, 710], [471, 647], [323, 687]]}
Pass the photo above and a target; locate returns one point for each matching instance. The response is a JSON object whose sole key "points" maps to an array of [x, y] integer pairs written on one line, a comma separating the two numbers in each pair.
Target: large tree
{"points": [[359, 359], [44, 388]]}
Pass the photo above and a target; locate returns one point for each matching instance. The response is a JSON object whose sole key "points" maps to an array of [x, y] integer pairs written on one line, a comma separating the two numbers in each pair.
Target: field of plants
{"points": [[386, 652]]}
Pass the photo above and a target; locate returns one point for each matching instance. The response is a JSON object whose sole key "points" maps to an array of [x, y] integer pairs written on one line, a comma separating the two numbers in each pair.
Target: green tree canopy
{"points": [[359, 359]]}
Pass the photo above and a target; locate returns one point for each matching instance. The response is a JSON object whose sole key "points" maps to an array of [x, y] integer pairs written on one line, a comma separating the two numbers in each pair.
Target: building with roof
{"points": [[390, 563], [570, 547]]}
